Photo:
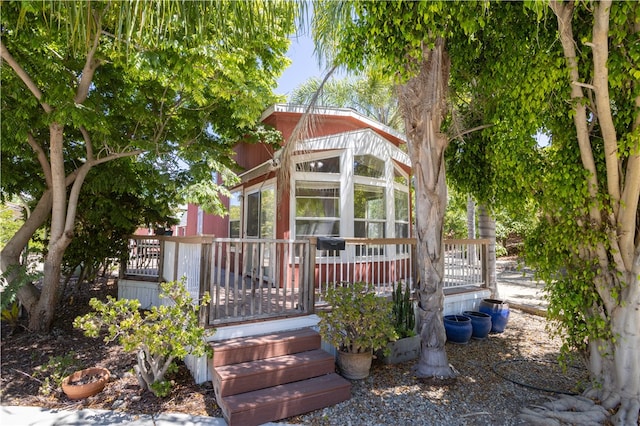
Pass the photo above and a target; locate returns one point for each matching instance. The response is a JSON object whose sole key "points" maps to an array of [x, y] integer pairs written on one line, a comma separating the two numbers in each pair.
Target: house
{"points": [[351, 178], [342, 213]]}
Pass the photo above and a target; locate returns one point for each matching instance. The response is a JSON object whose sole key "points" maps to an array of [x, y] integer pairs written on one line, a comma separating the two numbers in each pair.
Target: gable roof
{"points": [[380, 146], [285, 116]]}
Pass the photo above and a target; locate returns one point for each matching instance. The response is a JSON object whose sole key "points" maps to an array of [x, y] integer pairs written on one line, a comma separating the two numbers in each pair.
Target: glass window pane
{"points": [[253, 214], [317, 207], [234, 229], [368, 166], [401, 205], [267, 213], [375, 230], [327, 228], [369, 202], [322, 165], [399, 177], [402, 230], [316, 189], [234, 205]]}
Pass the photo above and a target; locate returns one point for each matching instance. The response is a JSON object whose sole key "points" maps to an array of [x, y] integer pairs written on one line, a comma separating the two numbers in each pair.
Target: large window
{"points": [[235, 214], [317, 209], [369, 214]]}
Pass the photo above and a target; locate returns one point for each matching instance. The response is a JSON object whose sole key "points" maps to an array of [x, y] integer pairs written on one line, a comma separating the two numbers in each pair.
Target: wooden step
{"points": [[252, 375], [282, 401], [235, 351]]}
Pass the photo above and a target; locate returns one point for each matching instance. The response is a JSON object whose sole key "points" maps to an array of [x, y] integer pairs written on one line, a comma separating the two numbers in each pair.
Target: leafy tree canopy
{"points": [[173, 84]]}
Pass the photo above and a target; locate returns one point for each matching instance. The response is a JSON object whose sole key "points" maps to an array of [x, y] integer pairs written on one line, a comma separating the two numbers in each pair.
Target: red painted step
{"points": [[235, 351], [247, 376], [282, 401]]}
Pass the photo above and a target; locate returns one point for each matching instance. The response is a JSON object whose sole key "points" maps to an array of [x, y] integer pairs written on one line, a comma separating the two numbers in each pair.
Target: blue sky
{"points": [[304, 65]]}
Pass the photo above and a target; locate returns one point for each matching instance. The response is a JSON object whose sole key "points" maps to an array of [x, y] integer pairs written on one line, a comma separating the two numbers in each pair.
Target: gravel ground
{"points": [[484, 393]]}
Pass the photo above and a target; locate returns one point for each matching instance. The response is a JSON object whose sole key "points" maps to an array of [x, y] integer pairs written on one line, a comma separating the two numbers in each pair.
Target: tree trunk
{"points": [[613, 366], [422, 100], [42, 314], [471, 217], [487, 228]]}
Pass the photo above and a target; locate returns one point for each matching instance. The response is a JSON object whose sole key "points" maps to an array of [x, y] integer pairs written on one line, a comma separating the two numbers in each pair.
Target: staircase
{"points": [[267, 378]]}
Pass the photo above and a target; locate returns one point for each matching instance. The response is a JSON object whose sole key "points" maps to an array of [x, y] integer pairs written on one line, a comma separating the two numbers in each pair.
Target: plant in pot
{"points": [[358, 323], [407, 346]]}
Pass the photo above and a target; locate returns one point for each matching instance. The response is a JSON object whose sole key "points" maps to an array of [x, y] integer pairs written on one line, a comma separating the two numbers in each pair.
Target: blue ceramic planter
{"points": [[458, 328], [499, 311], [480, 322]]}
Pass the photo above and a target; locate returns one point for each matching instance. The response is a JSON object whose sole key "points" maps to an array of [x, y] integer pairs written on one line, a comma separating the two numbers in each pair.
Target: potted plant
{"points": [[85, 383], [358, 323], [407, 346]]}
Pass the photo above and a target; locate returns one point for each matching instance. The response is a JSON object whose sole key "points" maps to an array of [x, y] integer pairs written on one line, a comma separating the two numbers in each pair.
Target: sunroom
{"points": [[349, 185]]}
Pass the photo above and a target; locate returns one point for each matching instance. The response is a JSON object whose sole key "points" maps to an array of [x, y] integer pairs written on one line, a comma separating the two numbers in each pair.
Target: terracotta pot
{"points": [[85, 390], [354, 366]]}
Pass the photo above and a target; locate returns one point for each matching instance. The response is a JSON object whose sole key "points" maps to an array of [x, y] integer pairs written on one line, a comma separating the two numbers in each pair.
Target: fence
{"points": [[252, 279]]}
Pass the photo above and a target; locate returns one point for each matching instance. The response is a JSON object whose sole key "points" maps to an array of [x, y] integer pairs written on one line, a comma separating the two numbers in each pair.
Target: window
{"points": [[368, 166], [322, 165], [369, 212], [261, 213], [200, 222], [402, 217], [399, 177], [235, 214], [317, 209]]}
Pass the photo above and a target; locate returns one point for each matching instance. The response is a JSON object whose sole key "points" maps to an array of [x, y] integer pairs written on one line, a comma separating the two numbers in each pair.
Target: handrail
{"points": [[259, 278]]}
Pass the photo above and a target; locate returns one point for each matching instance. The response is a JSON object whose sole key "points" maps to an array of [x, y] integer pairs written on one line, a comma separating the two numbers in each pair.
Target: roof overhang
{"points": [[335, 112]]}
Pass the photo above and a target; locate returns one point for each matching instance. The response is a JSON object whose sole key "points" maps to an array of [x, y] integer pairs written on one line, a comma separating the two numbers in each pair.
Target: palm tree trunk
{"points": [[487, 228], [422, 100]]}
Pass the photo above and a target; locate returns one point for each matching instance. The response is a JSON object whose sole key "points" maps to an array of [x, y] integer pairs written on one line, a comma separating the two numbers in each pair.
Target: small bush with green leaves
{"points": [[359, 321], [159, 336], [54, 371]]}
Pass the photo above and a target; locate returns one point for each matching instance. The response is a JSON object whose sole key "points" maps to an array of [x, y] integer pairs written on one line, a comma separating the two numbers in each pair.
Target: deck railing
{"points": [[252, 279]]}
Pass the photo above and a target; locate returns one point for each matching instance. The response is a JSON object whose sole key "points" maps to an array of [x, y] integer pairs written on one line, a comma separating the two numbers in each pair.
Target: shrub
{"points": [[160, 336], [54, 371], [359, 321]]}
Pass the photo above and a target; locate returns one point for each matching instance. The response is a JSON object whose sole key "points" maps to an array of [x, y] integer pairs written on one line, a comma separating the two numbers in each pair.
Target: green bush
{"points": [[160, 336], [359, 321], [54, 371]]}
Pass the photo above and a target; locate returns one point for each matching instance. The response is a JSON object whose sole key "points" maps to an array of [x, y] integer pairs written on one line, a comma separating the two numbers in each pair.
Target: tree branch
{"points": [[564, 12], [42, 158], [24, 76], [87, 142], [603, 103], [90, 66], [466, 132], [585, 85], [627, 216], [81, 174]]}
